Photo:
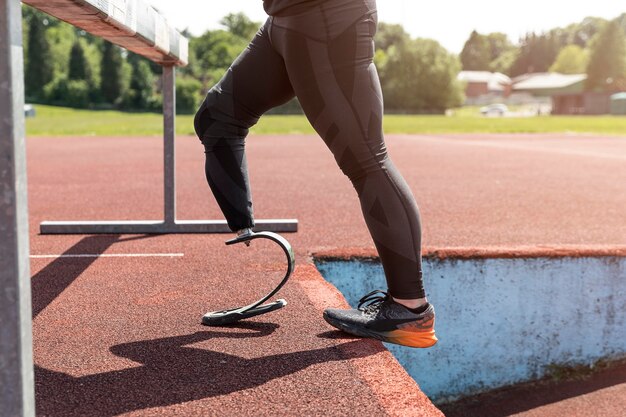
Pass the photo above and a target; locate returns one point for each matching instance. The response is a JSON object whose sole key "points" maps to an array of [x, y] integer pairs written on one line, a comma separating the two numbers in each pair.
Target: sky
{"points": [[448, 21]]}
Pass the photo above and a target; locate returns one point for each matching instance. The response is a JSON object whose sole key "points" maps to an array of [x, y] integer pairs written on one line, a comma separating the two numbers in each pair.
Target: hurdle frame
{"points": [[116, 21], [137, 26], [170, 224]]}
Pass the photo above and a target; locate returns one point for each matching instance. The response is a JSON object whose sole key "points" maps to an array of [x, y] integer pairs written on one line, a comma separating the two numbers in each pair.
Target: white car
{"points": [[494, 110], [29, 110]]}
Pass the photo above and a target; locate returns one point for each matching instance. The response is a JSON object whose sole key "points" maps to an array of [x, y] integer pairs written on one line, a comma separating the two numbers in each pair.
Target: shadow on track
{"points": [[525, 397], [173, 373], [53, 279]]}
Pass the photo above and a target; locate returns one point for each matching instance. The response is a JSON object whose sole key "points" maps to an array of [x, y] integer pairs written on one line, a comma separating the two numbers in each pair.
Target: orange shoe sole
{"points": [[411, 339]]}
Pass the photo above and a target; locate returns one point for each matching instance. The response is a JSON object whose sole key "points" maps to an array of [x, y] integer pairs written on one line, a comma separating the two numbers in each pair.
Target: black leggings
{"points": [[324, 56]]}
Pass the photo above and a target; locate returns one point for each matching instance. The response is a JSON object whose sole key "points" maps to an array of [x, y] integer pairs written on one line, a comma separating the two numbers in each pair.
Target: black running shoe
{"points": [[378, 316]]}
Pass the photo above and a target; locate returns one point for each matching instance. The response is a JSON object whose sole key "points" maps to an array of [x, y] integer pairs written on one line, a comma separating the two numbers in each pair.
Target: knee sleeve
{"points": [[226, 169], [214, 120]]}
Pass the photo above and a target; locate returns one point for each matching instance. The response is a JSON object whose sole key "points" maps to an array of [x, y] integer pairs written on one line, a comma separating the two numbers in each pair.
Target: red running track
{"points": [[121, 335]]}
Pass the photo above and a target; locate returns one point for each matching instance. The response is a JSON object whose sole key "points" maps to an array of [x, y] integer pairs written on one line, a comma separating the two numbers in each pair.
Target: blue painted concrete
{"points": [[504, 321]]}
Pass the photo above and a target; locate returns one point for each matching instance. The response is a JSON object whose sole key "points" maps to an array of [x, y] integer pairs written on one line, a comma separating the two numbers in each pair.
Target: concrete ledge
{"points": [[503, 316]]}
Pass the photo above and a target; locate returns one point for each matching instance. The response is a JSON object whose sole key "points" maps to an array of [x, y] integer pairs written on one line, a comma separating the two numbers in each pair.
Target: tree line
{"points": [[595, 47], [67, 66]]}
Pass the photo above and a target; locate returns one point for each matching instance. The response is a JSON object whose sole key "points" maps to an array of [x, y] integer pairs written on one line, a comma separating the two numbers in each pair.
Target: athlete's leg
{"points": [[329, 58], [255, 82]]}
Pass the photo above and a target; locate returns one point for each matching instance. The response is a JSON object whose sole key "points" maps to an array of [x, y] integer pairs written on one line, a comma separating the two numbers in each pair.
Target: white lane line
{"points": [[529, 148], [111, 255]]}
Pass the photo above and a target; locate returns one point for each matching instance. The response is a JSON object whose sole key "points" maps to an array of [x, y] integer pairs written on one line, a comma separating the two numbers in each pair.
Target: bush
{"points": [[139, 95], [420, 76], [188, 95], [77, 93], [71, 93]]}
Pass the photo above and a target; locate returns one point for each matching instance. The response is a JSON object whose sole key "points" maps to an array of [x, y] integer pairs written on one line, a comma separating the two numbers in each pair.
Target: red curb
{"points": [[346, 254], [396, 391]]}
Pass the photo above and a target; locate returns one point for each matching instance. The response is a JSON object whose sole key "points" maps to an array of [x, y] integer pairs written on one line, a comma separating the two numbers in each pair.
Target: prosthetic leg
{"points": [[233, 315], [222, 124]]}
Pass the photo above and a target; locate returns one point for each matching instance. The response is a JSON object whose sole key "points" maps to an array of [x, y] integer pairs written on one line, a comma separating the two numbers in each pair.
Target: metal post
{"points": [[17, 396], [169, 145]]}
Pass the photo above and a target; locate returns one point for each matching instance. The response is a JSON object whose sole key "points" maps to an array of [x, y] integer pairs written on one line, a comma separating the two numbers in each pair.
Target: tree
{"points": [[476, 54], [571, 60], [240, 25], [78, 68], [92, 49], [420, 76], [607, 61], [499, 44], [579, 33], [389, 35], [214, 51], [621, 19], [536, 54], [502, 52], [61, 38], [111, 83], [188, 95], [39, 69], [141, 88], [505, 61], [65, 92]]}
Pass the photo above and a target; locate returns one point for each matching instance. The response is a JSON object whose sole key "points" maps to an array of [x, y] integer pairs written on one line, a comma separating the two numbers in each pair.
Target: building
{"points": [[567, 92], [563, 93], [618, 104], [484, 86]]}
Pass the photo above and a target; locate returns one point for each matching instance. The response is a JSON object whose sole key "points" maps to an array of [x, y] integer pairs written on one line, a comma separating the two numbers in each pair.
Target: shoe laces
{"points": [[371, 302]]}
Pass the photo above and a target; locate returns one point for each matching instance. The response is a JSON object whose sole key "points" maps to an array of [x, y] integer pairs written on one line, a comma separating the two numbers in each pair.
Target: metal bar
{"points": [[134, 25], [159, 227], [169, 145], [17, 397]]}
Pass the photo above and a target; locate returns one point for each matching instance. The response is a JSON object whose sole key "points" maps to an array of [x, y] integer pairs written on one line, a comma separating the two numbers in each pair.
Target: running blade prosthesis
{"points": [[233, 315]]}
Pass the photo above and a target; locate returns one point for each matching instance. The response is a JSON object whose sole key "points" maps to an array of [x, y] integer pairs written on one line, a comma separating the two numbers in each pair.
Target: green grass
{"points": [[59, 121]]}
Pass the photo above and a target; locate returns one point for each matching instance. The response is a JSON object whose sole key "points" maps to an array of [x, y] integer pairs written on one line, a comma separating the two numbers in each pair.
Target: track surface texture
{"points": [[121, 335]]}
